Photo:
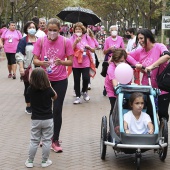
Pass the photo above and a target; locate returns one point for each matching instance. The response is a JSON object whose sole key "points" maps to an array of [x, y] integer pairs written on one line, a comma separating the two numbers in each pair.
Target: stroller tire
{"points": [[163, 133], [103, 137]]}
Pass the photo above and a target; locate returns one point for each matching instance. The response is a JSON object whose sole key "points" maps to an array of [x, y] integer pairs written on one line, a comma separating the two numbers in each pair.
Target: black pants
{"points": [[163, 104], [27, 98], [77, 77], [60, 87], [112, 103], [11, 58]]}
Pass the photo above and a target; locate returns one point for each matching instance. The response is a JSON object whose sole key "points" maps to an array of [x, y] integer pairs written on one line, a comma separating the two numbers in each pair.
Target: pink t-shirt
{"points": [[110, 42], [54, 49], [85, 40], [148, 58], [2, 30], [108, 80], [11, 40]]}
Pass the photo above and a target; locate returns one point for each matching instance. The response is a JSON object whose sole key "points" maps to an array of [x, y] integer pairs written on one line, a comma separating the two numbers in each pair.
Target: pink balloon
{"points": [[124, 73]]}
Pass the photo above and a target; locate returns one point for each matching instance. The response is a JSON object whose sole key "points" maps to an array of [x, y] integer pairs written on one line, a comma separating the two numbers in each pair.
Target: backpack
{"points": [[163, 79]]}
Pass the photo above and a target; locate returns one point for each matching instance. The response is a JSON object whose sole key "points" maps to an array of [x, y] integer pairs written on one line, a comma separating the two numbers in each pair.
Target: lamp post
{"points": [[36, 10], [12, 7]]}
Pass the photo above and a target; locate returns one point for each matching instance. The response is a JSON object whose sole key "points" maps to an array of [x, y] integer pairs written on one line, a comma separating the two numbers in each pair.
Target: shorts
{"points": [[11, 58]]}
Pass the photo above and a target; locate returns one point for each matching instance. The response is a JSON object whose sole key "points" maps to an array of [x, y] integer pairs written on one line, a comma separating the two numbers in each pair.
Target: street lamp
{"points": [[36, 9], [12, 6]]}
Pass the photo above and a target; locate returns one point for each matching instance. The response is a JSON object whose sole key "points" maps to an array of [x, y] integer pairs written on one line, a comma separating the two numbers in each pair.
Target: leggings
{"points": [[11, 58], [85, 76], [60, 88], [27, 98], [112, 103]]}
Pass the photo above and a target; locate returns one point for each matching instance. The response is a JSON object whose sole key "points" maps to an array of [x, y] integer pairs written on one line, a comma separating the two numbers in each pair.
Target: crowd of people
{"points": [[53, 56]]}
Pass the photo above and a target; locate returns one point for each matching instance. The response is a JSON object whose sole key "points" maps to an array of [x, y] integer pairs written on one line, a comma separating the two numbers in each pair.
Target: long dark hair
{"points": [[39, 79], [147, 34]]}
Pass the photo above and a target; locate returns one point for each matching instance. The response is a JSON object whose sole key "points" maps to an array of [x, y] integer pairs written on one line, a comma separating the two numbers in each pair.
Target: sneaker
{"points": [[77, 101], [10, 75], [89, 86], [14, 76], [56, 146], [46, 163], [85, 96], [29, 163], [28, 110]]}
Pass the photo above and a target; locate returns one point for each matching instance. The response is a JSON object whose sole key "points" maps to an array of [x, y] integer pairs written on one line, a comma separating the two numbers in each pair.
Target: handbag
{"points": [[27, 73], [105, 65], [26, 76], [163, 79], [97, 60]]}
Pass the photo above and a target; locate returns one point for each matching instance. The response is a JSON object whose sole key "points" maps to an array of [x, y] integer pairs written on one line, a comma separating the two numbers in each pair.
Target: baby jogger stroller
{"points": [[134, 143]]}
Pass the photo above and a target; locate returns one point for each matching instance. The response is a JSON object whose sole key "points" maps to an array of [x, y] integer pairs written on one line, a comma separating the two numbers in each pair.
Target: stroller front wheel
{"points": [[103, 137]]}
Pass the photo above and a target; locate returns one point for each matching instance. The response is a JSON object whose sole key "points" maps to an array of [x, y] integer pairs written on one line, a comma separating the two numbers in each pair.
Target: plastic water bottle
{"points": [[84, 52], [49, 70]]}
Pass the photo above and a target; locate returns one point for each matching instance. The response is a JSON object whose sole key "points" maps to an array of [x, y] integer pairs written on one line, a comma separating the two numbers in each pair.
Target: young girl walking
{"points": [[136, 121], [41, 94]]}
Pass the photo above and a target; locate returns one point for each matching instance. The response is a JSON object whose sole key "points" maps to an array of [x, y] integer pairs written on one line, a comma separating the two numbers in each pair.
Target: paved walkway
{"points": [[80, 132]]}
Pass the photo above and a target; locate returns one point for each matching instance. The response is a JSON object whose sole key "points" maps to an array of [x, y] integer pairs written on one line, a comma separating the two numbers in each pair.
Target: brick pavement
{"points": [[80, 132]]}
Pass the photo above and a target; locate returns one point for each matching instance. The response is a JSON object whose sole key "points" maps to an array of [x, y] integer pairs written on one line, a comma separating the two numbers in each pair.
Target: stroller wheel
{"points": [[137, 160], [103, 137], [163, 133]]}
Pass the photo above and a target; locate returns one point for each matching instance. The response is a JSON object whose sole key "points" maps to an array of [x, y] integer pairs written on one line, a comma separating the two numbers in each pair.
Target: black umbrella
{"points": [[78, 14]]}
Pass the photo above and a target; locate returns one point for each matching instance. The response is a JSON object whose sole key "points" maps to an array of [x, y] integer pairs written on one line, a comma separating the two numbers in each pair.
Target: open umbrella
{"points": [[78, 14]]}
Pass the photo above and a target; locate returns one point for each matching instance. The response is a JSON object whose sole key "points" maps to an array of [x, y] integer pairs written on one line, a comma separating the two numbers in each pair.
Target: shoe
{"points": [[41, 144], [89, 86], [77, 101], [56, 146], [9, 75], [28, 110], [14, 76], [85, 96], [29, 163], [46, 163]]}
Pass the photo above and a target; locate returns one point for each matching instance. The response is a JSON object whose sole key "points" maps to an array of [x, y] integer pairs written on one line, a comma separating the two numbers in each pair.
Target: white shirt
{"points": [[131, 45], [40, 33], [137, 126]]}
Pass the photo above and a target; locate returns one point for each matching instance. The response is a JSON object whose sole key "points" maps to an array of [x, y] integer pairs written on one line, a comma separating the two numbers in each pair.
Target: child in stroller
{"points": [[136, 121]]}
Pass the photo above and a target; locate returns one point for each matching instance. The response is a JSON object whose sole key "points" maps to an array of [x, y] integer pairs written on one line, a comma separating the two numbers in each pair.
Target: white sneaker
{"points": [[89, 86], [29, 163], [46, 163], [85, 96], [77, 101]]}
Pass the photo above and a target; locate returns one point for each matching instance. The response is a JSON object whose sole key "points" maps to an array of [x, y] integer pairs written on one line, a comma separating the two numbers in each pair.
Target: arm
{"points": [[126, 127], [151, 128], [37, 62], [78, 39], [161, 60], [1, 43], [55, 96], [67, 62]]}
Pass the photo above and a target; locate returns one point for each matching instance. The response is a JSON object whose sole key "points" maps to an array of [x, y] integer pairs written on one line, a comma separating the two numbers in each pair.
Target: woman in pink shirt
{"points": [[10, 39], [50, 53], [119, 56], [81, 43], [152, 55], [112, 42]]}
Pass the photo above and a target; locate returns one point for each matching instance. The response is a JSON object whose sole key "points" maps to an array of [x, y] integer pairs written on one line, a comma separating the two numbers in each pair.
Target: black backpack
{"points": [[163, 79]]}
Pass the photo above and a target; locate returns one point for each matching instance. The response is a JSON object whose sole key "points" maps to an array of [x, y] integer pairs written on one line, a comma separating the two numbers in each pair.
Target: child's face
{"points": [[138, 105], [122, 60]]}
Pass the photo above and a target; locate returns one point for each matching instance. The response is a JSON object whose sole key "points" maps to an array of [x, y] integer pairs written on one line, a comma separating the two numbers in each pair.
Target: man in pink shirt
{"points": [[9, 40]]}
